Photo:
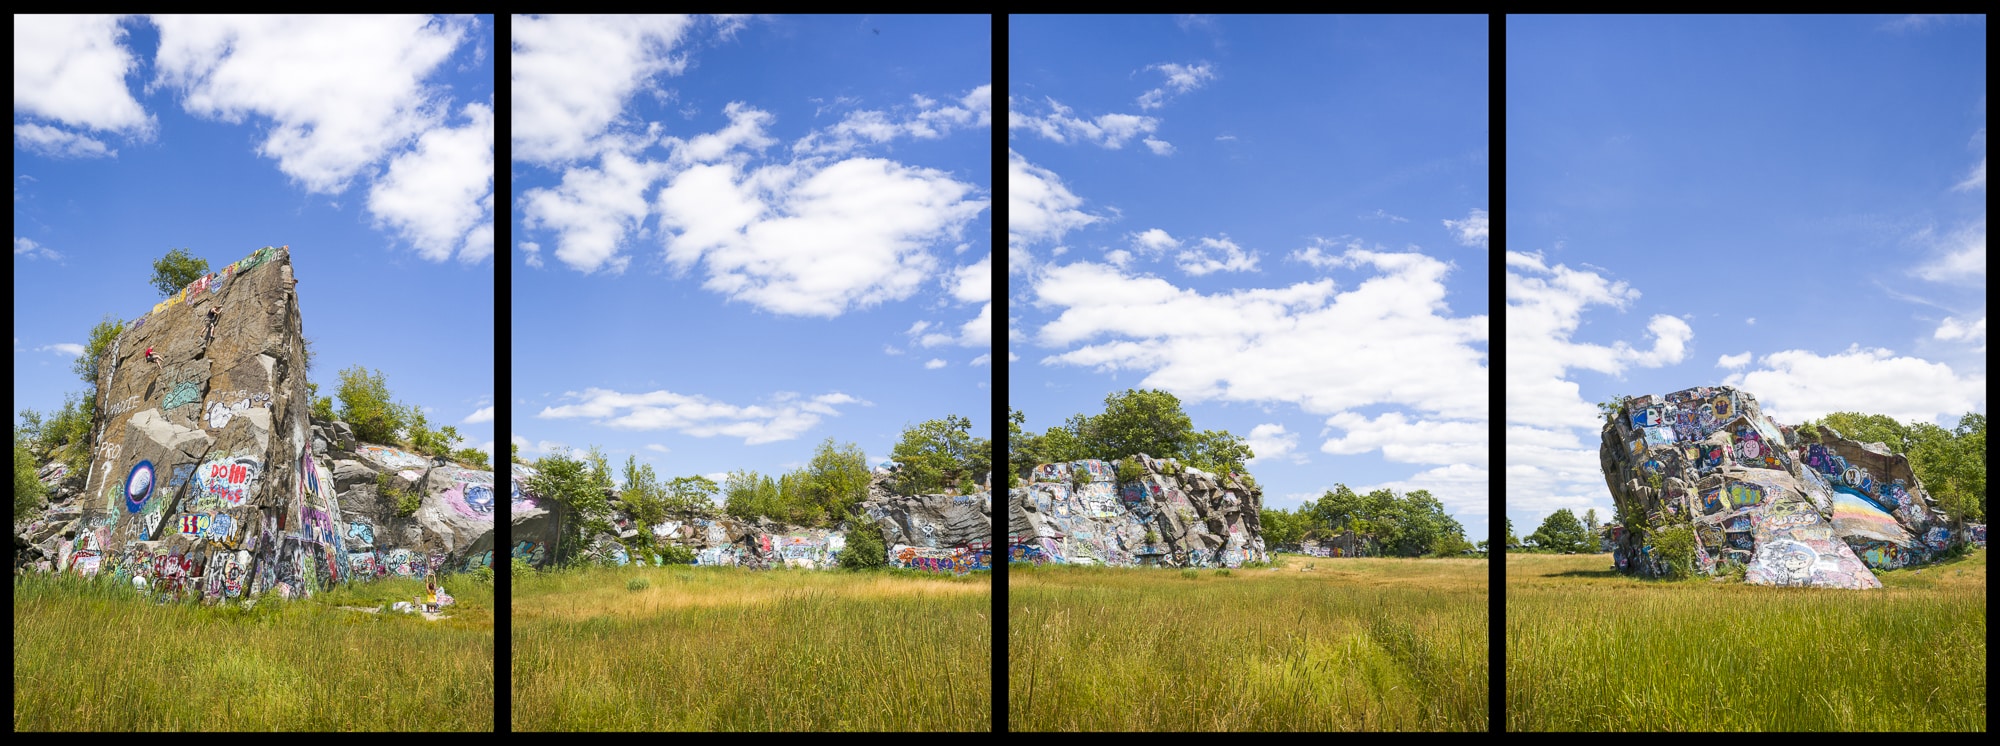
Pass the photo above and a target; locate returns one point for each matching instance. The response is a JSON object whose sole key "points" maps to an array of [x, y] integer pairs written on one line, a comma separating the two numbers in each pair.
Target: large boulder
{"points": [[1790, 508], [1079, 513]]}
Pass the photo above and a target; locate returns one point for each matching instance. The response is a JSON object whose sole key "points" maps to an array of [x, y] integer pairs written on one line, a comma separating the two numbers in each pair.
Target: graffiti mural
{"points": [[393, 458], [224, 482], [138, 486]]}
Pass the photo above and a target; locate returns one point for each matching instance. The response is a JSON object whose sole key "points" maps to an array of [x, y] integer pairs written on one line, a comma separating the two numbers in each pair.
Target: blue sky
{"points": [[1792, 206], [1280, 220], [736, 237], [364, 143]]}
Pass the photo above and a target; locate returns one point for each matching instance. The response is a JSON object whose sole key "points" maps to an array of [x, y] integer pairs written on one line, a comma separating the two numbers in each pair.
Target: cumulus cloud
{"points": [[1179, 79], [1797, 385], [1154, 241], [1108, 130], [69, 72], [804, 240], [439, 195], [65, 349], [926, 120], [341, 92], [656, 447], [534, 253], [1040, 209], [1270, 441], [1402, 439], [27, 247], [1159, 147], [1388, 340], [592, 211], [1550, 464], [786, 416], [1201, 259], [572, 75], [1471, 231], [1955, 330], [484, 414], [1733, 362], [933, 364]]}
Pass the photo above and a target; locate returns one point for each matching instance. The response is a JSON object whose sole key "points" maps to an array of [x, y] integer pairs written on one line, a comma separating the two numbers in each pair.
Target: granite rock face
{"points": [[939, 533], [1791, 508], [1078, 513], [207, 477]]}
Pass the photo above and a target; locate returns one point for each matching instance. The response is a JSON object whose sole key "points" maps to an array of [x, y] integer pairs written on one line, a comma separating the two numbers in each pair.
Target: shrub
{"points": [[1675, 546], [1129, 470], [637, 584], [28, 490], [520, 568], [365, 405], [675, 554], [408, 498], [1191, 573], [864, 548]]}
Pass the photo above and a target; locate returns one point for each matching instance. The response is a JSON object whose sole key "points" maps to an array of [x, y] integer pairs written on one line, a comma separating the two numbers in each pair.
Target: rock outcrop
{"points": [[938, 533], [1791, 508], [1078, 513], [207, 477]]}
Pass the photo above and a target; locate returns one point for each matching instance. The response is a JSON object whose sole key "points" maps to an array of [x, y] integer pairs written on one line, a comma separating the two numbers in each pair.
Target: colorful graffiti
{"points": [[138, 486], [393, 458], [225, 482], [471, 494], [956, 560]]}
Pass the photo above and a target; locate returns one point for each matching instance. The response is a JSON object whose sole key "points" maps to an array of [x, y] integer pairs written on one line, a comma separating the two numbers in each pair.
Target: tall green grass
{"points": [[1589, 649], [93, 655], [727, 649], [1355, 644]]}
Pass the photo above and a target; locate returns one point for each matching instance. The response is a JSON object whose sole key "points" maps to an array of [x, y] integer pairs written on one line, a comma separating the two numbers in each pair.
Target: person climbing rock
{"points": [[214, 312], [149, 355]]}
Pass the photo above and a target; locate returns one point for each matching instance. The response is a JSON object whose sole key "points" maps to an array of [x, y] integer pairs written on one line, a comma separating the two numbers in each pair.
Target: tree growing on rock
{"points": [[366, 405], [940, 453], [176, 270], [693, 495], [837, 478], [570, 482], [102, 336], [29, 493]]}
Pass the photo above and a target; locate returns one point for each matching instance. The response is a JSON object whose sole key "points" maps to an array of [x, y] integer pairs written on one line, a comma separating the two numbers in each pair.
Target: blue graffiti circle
{"points": [[138, 486]]}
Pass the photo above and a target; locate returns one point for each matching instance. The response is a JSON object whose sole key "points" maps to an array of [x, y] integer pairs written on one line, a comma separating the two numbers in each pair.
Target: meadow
{"points": [[90, 654], [1591, 650], [729, 649], [1352, 644]]}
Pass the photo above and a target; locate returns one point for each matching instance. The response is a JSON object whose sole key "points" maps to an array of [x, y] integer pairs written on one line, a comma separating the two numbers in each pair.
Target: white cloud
{"points": [[1959, 257], [1381, 214], [1752, 321], [439, 195], [70, 70], [934, 364], [1108, 130], [65, 349], [745, 130], [802, 240], [1180, 79], [529, 448], [1385, 341], [341, 91], [973, 283], [1953, 329], [592, 211], [926, 121], [572, 75], [1039, 208], [534, 252], [1119, 258], [29, 248], [656, 447], [1400, 439], [1160, 147], [484, 414], [1154, 241], [1733, 362], [1471, 231], [1270, 441], [58, 143], [787, 416], [1975, 181], [1225, 138], [1199, 260], [1797, 385], [981, 360]]}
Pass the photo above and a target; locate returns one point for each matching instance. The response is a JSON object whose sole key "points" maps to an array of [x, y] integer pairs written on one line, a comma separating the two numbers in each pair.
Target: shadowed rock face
{"points": [[1078, 513], [1791, 510], [937, 533], [208, 478]]}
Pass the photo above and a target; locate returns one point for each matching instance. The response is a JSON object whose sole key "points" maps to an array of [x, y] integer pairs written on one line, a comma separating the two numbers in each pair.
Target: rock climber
{"points": [[214, 311], [149, 355]]}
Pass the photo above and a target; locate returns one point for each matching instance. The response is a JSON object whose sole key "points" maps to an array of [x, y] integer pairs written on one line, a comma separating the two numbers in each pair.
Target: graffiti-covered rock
{"points": [[1079, 513], [1790, 508]]}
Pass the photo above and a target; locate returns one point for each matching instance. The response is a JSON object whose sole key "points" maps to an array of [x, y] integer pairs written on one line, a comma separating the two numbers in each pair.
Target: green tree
{"points": [[472, 456], [366, 405], [102, 336], [1512, 540], [864, 548], [322, 406], [29, 494], [643, 496], [690, 496], [176, 270], [515, 449], [568, 481], [836, 479], [1218, 451], [940, 453], [1139, 421], [1560, 532], [1590, 529]]}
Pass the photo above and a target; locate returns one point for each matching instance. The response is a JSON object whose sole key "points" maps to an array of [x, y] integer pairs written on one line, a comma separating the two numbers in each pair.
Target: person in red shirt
{"points": [[149, 354]]}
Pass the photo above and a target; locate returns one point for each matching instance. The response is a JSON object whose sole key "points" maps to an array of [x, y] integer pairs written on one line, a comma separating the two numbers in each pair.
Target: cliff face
{"points": [[1818, 511], [936, 533], [209, 479], [1078, 513]]}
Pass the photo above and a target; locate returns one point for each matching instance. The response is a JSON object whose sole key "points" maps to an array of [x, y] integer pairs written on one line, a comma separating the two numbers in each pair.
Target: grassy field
{"points": [[727, 649], [1588, 649], [1354, 644], [94, 656]]}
